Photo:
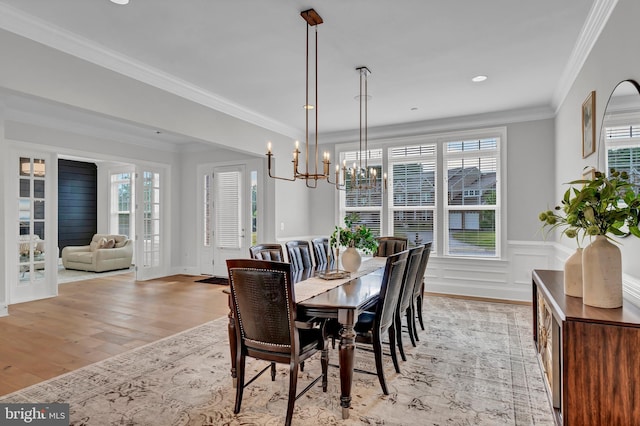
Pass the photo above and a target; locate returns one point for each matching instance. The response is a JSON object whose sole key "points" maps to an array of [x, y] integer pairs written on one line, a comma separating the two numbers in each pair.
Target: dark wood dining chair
{"points": [[267, 252], [267, 327], [418, 291], [403, 308], [323, 253], [371, 326], [299, 252], [391, 245]]}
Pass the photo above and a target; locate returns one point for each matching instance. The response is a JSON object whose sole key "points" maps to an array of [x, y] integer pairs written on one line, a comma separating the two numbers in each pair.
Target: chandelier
{"points": [[361, 176], [310, 172]]}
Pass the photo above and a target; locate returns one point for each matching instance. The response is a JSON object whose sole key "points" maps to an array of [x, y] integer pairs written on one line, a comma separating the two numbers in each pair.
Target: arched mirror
{"points": [[619, 144]]}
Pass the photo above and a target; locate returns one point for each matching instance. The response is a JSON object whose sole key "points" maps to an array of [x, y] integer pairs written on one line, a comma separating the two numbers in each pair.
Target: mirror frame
{"points": [[601, 162]]}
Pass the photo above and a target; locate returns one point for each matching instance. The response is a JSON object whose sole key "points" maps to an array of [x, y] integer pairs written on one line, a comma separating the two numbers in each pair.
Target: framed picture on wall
{"points": [[589, 125], [589, 173]]}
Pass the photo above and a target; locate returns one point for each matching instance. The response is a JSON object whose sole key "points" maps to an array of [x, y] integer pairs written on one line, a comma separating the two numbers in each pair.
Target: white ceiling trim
{"points": [[593, 26], [58, 38]]}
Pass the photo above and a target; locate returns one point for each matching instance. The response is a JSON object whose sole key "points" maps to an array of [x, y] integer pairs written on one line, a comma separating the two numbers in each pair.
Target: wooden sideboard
{"points": [[590, 356]]}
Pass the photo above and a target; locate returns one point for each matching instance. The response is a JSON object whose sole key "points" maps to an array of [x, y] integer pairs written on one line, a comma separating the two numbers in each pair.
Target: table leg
{"points": [[346, 353], [232, 344]]}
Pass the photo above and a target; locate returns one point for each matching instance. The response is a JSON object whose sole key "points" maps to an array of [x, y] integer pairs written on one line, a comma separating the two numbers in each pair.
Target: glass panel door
{"points": [[149, 236], [31, 282]]}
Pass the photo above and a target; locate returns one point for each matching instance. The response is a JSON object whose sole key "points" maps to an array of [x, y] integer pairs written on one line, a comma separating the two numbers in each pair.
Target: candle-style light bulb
{"points": [[269, 147]]}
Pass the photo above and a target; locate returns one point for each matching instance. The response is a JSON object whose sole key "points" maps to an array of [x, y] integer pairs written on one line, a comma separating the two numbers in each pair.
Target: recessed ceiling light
{"points": [[479, 78], [120, 1]]}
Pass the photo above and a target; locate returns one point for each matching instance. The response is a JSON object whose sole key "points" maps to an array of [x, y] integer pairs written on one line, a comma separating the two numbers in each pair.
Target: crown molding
{"points": [[35, 29], [593, 26]]}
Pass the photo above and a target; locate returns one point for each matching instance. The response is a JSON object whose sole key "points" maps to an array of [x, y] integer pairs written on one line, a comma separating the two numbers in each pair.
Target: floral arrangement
{"points": [[358, 236], [604, 205]]}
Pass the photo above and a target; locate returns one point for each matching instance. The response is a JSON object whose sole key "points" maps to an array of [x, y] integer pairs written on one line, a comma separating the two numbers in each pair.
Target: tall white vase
{"points": [[573, 274], [602, 274], [351, 259]]}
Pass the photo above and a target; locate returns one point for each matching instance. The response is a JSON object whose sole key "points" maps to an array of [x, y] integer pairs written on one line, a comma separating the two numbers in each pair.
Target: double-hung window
{"points": [[367, 203], [471, 175], [444, 189]]}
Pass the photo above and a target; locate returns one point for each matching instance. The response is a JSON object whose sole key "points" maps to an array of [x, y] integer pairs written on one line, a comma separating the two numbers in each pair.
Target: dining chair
{"points": [[267, 252], [406, 297], [299, 252], [267, 327], [371, 326], [322, 252], [418, 291], [391, 245]]}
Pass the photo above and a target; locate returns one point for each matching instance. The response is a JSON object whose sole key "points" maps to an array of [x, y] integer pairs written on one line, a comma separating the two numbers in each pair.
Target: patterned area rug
{"points": [[474, 365]]}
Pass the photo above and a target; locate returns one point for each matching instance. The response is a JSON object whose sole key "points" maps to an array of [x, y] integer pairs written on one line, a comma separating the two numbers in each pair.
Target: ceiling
{"points": [[249, 55]]}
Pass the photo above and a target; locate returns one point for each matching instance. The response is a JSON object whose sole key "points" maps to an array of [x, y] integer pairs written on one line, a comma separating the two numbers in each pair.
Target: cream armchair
{"points": [[106, 252]]}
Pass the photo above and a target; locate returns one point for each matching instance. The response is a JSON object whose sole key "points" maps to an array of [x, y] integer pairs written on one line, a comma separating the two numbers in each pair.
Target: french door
{"points": [[34, 265], [150, 241]]}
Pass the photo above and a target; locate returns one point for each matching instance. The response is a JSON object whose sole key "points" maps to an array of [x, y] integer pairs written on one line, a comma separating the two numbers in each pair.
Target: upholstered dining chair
{"points": [[267, 252], [390, 245], [371, 326], [323, 253], [406, 297], [267, 328], [299, 252], [418, 291]]}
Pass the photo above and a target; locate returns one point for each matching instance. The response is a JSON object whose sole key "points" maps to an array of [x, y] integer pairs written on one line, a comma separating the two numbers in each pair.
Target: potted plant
{"points": [[603, 207], [354, 237]]}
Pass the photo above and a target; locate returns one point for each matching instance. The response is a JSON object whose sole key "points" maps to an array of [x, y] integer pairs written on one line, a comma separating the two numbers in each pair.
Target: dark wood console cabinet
{"points": [[590, 356]]}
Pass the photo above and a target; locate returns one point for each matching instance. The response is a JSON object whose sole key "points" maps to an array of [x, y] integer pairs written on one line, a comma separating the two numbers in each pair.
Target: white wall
{"points": [[613, 58], [529, 186]]}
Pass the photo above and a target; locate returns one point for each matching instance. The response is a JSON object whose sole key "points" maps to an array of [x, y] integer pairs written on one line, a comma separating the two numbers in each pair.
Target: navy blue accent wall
{"points": [[77, 202]]}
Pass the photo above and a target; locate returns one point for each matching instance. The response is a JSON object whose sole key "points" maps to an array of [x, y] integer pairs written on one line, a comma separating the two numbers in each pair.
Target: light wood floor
{"points": [[95, 319]]}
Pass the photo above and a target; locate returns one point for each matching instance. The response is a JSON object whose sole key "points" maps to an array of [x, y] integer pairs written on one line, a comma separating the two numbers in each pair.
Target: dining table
{"points": [[341, 299]]}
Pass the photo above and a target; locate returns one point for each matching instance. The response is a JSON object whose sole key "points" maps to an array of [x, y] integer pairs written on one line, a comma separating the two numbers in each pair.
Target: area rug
{"points": [[214, 280], [474, 365]]}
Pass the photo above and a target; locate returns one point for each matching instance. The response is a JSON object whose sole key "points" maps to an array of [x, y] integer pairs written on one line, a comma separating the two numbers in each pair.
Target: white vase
{"points": [[573, 274], [351, 259], [602, 274]]}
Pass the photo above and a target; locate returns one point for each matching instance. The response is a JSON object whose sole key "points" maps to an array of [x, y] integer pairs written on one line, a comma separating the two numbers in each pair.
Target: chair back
{"points": [[267, 252], [409, 279], [299, 253], [322, 251], [263, 303], [418, 288], [391, 245], [390, 290]]}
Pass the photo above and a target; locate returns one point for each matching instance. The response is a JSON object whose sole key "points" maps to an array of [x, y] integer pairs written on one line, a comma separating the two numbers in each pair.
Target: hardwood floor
{"points": [[95, 319]]}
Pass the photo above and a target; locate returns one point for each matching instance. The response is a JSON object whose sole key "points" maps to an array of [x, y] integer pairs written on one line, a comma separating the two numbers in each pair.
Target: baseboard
{"points": [[479, 299]]}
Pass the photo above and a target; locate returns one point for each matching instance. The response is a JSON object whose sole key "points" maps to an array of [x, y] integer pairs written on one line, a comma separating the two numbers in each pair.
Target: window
{"points": [[471, 184], [121, 197], [623, 150], [413, 192], [442, 189], [366, 203], [228, 196]]}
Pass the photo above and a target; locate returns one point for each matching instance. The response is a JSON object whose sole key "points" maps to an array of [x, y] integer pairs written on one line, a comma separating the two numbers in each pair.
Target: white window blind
{"points": [[227, 208]]}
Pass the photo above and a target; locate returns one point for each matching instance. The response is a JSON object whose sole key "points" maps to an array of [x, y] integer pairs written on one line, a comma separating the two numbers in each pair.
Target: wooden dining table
{"points": [[341, 299]]}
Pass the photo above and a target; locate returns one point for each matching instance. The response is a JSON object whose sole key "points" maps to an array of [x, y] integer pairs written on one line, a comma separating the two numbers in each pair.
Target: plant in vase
{"points": [[354, 237], [603, 207]]}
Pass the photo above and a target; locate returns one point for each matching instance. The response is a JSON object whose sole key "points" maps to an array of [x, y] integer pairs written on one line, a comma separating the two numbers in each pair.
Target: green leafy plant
{"points": [[603, 205], [352, 235]]}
